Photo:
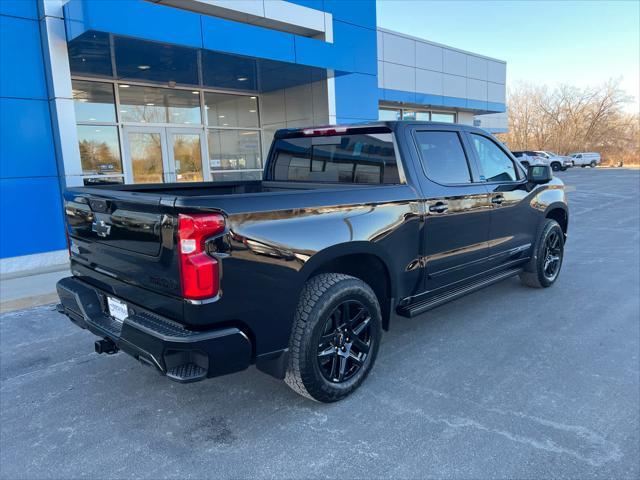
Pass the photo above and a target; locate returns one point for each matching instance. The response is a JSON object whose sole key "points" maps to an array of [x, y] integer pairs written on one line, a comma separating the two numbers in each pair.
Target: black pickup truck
{"points": [[352, 228]]}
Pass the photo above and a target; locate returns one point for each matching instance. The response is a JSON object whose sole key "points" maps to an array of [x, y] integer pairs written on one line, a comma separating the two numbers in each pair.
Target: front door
{"points": [[458, 211], [159, 154], [513, 221]]}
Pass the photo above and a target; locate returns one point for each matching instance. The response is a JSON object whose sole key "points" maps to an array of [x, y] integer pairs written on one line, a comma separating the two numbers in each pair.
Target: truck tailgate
{"points": [[125, 235]]}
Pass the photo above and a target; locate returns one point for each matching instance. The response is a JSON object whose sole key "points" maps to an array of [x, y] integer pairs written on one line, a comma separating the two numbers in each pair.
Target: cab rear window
{"points": [[363, 158]]}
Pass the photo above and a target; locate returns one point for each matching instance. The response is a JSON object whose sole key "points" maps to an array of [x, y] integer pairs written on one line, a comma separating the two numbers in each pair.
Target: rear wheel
{"points": [[544, 267], [593, 164], [335, 338]]}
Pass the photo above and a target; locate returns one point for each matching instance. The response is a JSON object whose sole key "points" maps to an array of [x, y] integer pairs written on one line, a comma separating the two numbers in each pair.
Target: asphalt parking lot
{"points": [[507, 382]]}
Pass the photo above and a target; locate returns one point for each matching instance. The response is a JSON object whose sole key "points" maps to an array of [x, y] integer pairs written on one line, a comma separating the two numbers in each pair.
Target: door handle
{"points": [[439, 207], [497, 199]]}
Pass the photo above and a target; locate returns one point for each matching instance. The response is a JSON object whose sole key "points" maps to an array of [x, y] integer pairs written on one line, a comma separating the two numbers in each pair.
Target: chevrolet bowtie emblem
{"points": [[101, 228]]}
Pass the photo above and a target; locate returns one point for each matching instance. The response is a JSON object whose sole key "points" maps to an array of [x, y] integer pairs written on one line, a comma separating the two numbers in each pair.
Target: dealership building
{"points": [[145, 91]]}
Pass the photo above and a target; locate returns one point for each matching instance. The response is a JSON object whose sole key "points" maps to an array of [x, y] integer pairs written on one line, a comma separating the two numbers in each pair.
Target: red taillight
{"points": [[198, 270]]}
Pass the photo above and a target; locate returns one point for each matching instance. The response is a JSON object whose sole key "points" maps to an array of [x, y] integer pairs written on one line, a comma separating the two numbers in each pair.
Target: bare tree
{"points": [[568, 119]]}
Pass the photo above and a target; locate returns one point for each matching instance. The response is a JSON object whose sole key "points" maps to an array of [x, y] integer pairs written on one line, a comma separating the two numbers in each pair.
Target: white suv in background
{"points": [[528, 157], [557, 162], [586, 159]]}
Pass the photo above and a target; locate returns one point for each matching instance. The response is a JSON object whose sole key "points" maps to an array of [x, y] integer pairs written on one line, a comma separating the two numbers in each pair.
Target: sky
{"points": [[544, 42]]}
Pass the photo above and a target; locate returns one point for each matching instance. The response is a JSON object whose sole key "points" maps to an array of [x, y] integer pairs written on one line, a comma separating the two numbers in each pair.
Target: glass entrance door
{"points": [[159, 154], [185, 154]]}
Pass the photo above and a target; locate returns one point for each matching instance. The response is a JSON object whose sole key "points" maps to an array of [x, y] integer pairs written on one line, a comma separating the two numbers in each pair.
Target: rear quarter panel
{"points": [[276, 242]]}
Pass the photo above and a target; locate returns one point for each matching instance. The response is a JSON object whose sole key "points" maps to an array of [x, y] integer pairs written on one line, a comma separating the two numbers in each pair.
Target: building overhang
{"points": [[239, 34]]}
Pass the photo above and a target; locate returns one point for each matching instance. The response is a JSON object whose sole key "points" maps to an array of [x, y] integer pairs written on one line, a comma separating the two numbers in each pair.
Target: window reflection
{"points": [[159, 105], [225, 110], [146, 157], [234, 149], [386, 114], [186, 153], [443, 117], [93, 101], [99, 150]]}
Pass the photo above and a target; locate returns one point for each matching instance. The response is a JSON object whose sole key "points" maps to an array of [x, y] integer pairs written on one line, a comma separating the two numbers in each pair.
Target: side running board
{"points": [[421, 306]]}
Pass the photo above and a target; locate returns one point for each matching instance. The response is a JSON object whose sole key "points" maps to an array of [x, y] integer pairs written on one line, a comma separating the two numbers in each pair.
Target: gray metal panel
{"points": [[497, 72], [380, 74], [399, 77], [429, 56], [496, 92], [454, 86], [477, 67], [476, 89], [455, 62], [429, 82], [399, 50]]}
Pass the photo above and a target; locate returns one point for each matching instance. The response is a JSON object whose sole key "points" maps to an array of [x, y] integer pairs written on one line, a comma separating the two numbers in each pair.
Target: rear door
{"points": [[457, 208], [513, 221]]}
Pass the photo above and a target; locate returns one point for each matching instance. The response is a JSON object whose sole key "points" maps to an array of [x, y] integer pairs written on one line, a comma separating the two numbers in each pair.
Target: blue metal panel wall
{"points": [[30, 206], [353, 50]]}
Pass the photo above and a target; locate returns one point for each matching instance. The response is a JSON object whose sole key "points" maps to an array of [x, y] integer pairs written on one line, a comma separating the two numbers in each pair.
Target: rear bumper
{"points": [[182, 355]]}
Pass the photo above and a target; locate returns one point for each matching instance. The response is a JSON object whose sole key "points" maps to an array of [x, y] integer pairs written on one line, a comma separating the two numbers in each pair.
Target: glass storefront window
{"points": [[234, 149], [225, 110], [389, 115], [159, 105], [93, 101], [187, 157], [99, 150], [443, 117], [385, 113]]}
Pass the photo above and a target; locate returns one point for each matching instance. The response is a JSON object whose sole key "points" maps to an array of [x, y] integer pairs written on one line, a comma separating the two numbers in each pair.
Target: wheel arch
{"points": [[559, 213], [362, 260]]}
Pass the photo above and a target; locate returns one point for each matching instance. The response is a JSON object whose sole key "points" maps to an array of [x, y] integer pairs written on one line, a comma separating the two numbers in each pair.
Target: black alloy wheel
{"points": [[335, 337], [552, 255], [545, 263], [345, 341]]}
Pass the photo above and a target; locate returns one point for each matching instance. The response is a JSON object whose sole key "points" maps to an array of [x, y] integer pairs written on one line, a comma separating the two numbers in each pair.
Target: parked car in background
{"points": [[351, 228], [557, 162], [586, 159], [528, 157]]}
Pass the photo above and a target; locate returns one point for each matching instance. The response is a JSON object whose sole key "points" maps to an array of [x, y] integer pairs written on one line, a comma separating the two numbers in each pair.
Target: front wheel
{"points": [[555, 166], [335, 338], [544, 267]]}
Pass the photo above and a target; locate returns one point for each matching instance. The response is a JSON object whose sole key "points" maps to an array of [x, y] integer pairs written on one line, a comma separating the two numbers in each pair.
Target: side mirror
{"points": [[539, 174]]}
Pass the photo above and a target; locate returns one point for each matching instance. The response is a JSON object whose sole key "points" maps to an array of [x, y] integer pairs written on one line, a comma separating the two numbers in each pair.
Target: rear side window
{"points": [[443, 157], [517, 154], [367, 158]]}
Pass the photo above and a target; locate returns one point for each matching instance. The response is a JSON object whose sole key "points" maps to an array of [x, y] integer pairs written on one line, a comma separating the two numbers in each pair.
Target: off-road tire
{"points": [[533, 274], [319, 298]]}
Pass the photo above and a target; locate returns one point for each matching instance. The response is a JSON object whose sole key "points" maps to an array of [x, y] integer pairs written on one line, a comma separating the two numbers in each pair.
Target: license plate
{"points": [[117, 309]]}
